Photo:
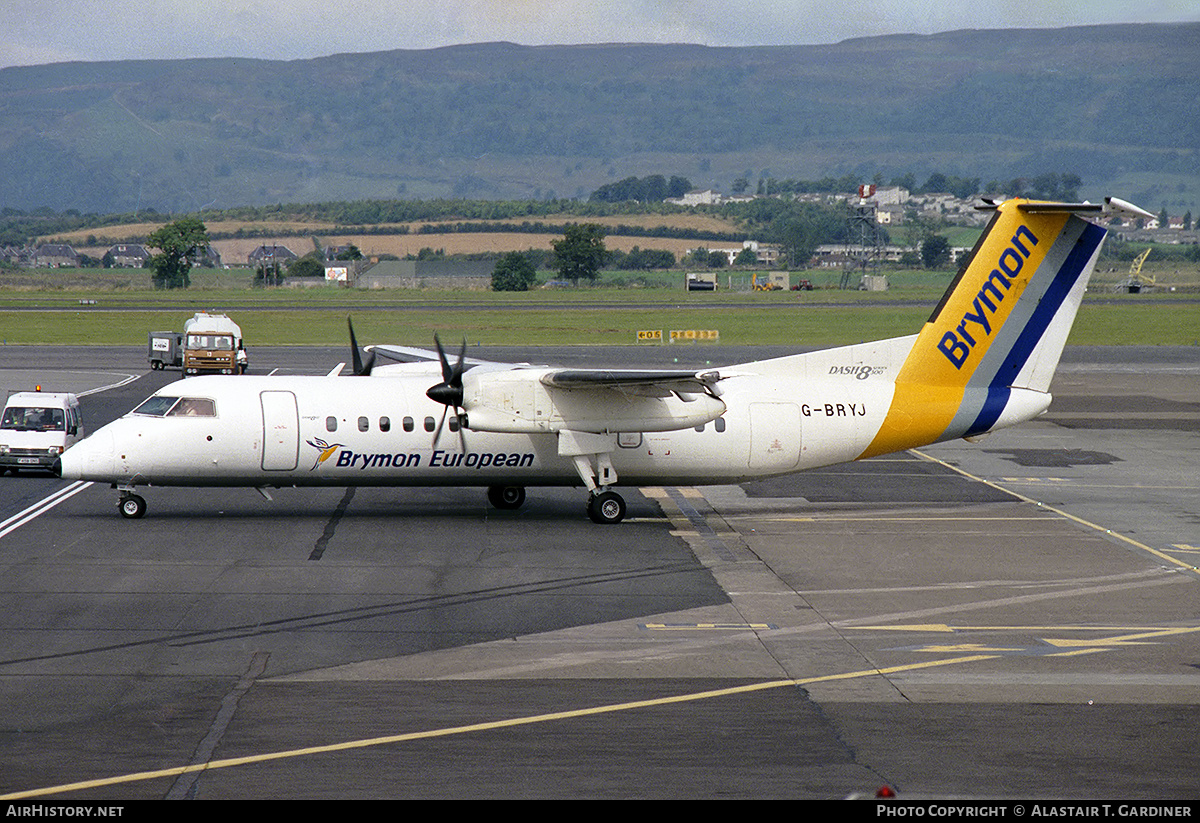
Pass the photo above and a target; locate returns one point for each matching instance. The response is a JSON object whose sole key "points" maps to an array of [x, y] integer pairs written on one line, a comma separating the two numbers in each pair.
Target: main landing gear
{"points": [[606, 506], [132, 506], [603, 506]]}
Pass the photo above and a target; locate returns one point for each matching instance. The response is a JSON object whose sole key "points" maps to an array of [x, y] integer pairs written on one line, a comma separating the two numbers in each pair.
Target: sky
{"points": [[50, 31]]}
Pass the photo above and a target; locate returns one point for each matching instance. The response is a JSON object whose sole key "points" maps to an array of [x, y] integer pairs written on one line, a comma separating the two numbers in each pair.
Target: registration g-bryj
{"points": [[983, 361]]}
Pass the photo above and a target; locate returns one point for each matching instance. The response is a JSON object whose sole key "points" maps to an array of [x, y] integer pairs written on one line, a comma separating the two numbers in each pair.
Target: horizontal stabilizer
{"points": [[1111, 205]]}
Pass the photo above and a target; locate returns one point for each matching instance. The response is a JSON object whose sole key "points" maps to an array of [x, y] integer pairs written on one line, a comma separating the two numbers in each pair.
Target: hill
{"points": [[1118, 105]]}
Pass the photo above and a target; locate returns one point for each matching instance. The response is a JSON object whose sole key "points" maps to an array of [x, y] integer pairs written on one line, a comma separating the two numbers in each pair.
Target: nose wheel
{"points": [[606, 507], [132, 506]]}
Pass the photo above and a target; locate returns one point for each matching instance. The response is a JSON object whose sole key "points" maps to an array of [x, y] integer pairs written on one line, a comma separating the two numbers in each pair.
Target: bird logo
{"points": [[324, 450]]}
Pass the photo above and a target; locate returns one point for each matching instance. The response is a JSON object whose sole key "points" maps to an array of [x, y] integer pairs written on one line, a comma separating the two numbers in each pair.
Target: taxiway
{"points": [[1018, 617]]}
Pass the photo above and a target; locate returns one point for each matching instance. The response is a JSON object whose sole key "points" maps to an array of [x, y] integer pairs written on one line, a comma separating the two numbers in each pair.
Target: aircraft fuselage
{"points": [[343, 431]]}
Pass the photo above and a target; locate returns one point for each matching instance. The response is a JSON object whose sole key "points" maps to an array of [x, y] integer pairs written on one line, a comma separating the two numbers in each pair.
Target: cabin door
{"points": [[281, 431]]}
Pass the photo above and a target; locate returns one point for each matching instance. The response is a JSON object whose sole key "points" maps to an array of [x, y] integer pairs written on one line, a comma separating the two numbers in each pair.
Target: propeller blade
{"points": [[360, 369], [437, 435], [462, 438], [450, 391]]}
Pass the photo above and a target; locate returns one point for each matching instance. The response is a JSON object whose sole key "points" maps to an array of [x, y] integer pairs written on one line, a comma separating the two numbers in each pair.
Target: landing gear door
{"points": [[281, 431]]}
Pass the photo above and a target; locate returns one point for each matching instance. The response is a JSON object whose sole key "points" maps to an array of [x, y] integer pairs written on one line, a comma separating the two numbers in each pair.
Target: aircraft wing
{"points": [[408, 354], [641, 382]]}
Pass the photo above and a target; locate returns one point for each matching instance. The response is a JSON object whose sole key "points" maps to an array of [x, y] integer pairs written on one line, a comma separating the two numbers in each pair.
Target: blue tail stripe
{"points": [[998, 391]]}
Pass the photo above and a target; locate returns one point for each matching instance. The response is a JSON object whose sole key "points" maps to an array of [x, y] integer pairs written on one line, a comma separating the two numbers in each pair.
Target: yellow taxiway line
{"points": [[478, 727]]}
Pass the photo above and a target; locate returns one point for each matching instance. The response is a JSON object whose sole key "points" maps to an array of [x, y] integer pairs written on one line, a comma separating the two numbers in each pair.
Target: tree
{"points": [[746, 257], [581, 253], [935, 251], [179, 242], [310, 265], [513, 272]]}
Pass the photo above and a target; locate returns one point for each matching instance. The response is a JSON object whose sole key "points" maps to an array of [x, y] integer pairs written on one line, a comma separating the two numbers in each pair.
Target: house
{"points": [[55, 255], [269, 255], [17, 256], [127, 256]]}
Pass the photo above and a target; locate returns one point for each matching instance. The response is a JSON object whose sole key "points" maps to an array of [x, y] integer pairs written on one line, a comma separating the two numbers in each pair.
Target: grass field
{"points": [[601, 317], [46, 307]]}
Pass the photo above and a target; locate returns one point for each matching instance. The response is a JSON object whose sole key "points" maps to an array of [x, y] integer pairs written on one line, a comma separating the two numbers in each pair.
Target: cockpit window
{"points": [[22, 418], [193, 407], [162, 406]]}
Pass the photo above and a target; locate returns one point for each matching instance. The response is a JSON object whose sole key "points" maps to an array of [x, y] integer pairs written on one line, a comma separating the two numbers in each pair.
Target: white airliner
{"points": [[983, 361]]}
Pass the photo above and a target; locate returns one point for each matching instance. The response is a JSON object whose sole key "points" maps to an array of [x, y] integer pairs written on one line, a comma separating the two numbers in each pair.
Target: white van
{"points": [[36, 428]]}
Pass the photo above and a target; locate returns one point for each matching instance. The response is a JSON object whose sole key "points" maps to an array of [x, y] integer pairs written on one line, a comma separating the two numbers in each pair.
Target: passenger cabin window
{"points": [[409, 424], [385, 424], [330, 424], [720, 424], [430, 424], [363, 424]]}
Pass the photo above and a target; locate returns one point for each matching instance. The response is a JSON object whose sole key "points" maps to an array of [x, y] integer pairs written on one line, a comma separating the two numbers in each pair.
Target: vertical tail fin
{"points": [[985, 357]]}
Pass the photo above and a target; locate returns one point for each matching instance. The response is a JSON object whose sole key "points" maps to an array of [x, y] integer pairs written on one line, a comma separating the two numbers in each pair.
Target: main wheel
{"points": [[506, 497], [606, 507], [132, 506]]}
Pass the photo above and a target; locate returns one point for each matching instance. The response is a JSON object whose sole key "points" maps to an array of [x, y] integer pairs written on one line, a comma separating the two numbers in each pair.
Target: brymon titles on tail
{"points": [[985, 357]]}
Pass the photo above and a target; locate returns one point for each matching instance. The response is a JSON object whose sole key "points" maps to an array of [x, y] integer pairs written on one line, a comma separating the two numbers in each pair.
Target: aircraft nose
{"points": [[90, 459]]}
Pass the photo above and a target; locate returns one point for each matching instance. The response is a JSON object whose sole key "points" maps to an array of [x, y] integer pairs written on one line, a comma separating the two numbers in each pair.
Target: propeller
{"points": [[450, 391], [360, 369]]}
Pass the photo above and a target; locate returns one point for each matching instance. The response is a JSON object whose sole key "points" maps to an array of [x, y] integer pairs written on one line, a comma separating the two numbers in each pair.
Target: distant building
{"points": [[266, 255], [17, 255], [891, 196], [55, 255], [764, 255], [127, 256], [707, 197], [434, 274]]}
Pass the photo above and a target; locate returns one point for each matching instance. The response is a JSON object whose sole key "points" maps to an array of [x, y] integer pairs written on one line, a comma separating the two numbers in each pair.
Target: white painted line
{"points": [[42, 506], [129, 378]]}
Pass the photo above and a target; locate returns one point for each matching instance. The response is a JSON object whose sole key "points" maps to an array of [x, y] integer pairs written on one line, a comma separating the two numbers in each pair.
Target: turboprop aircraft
{"points": [[983, 361]]}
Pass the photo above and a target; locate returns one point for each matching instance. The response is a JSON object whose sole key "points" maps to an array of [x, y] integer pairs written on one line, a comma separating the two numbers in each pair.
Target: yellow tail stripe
{"points": [[933, 380]]}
